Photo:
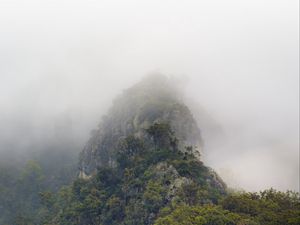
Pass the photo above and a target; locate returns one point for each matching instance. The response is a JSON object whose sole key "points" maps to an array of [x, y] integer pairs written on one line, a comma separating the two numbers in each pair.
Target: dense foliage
{"points": [[140, 167], [151, 184], [268, 207], [145, 180], [24, 186]]}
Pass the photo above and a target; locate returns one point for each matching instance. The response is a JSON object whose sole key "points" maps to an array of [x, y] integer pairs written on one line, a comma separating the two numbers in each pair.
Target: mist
{"points": [[63, 62]]}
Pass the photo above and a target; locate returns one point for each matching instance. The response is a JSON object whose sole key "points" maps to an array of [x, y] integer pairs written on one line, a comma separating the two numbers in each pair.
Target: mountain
{"points": [[153, 100], [141, 166], [146, 155]]}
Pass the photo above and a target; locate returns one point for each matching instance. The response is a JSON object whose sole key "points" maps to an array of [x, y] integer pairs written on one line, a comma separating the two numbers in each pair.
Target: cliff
{"points": [[153, 100]]}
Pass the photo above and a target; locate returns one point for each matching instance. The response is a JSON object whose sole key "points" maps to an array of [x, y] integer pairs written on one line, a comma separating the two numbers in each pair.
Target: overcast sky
{"points": [[239, 59]]}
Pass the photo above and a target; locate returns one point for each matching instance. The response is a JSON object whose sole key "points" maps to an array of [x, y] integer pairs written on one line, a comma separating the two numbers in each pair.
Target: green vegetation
{"points": [[28, 190], [140, 167], [268, 207], [158, 185], [144, 181]]}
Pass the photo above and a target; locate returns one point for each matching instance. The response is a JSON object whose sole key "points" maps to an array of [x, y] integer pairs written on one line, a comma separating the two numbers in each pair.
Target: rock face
{"points": [[142, 160], [153, 100]]}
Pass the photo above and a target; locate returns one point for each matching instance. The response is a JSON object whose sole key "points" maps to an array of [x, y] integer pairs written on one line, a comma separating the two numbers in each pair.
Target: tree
{"points": [[199, 215], [161, 134]]}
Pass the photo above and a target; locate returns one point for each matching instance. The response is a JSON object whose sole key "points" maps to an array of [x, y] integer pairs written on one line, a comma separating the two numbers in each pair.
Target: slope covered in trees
{"points": [[142, 165]]}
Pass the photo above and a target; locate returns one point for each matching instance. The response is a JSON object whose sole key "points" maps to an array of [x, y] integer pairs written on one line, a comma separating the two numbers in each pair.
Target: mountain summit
{"points": [[144, 156], [154, 100], [142, 166]]}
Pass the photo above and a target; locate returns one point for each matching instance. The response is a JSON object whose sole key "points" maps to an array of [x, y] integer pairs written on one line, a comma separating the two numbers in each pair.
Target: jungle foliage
{"points": [[155, 183]]}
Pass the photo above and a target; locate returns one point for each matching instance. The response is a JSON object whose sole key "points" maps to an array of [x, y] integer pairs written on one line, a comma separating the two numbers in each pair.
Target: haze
{"points": [[63, 62]]}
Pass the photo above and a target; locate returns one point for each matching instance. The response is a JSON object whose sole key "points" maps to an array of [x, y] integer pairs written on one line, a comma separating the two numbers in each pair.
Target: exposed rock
{"points": [[153, 100]]}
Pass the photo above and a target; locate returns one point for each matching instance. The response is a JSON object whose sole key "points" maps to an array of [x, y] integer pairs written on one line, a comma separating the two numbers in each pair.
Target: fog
{"points": [[63, 62]]}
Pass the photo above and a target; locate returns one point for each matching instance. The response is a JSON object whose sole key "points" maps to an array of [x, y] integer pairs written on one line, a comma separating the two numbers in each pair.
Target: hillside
{"points": [[142, 166], [146, 153], [153, 100]]}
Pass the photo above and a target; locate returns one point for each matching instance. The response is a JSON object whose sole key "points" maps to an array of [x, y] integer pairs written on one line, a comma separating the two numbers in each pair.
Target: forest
{"points": [[153, 183]]}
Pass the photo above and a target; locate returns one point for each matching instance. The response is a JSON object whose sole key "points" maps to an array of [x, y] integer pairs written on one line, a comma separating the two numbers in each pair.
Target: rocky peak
{"points": [[154, 100]]}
